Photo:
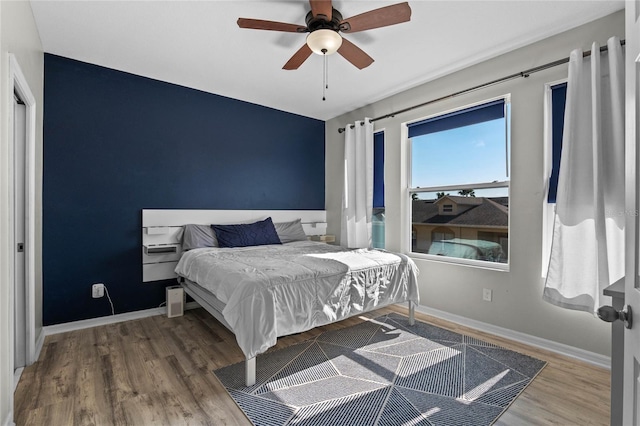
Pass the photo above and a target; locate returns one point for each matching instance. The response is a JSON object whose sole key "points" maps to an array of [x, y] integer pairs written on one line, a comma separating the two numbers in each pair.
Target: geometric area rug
{"points": [[382, 372]]}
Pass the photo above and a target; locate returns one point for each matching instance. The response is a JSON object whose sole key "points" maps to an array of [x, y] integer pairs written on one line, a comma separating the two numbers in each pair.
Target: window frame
{"points": [[444, 188]]}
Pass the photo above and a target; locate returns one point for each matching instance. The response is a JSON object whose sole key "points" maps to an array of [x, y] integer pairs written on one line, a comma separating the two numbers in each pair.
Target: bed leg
{"points": [[250, 371], [412, 313]]}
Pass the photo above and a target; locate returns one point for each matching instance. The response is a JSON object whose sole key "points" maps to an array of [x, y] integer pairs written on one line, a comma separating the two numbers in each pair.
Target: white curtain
{"points": [[587, 251], [357, 196]]}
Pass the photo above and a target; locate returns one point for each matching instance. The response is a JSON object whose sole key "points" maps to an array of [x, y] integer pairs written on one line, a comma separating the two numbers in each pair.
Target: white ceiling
{"points": [[198, 44]]}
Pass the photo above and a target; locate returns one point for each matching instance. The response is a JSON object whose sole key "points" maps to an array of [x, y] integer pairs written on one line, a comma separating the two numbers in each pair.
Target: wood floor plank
{"points": [[159, 371], [90, 406], [62, 413], [180, 407], [127, 376], [144, 409], [214, 400]]}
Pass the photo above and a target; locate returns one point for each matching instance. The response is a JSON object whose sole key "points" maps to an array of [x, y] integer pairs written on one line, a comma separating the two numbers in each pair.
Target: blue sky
{"points": [[462, 155]]}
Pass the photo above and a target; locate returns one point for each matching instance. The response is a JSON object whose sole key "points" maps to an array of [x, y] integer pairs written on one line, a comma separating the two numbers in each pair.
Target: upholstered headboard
{"points": [[162, 231]]}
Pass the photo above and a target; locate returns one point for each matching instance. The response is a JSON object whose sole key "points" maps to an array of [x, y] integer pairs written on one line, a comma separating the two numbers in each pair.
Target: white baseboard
{"points": [[38, 345], [112, 319], [538, 342], [16, 377]]}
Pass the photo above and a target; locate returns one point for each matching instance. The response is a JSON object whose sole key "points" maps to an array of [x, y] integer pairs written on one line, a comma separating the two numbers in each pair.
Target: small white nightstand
{"points": [[324, 238]]}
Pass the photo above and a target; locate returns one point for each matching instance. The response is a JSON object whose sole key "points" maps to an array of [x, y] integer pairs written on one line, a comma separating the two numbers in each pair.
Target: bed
{"points": [[261, 292]]}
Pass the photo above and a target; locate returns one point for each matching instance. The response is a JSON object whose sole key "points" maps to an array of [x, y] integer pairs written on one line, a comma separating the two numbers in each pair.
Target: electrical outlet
{"points": [[97, 290], [486, 294]]}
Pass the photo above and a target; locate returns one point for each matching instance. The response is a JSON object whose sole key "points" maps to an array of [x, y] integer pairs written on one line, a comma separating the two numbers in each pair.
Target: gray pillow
{"points": [[198, 236], [290, 231]]}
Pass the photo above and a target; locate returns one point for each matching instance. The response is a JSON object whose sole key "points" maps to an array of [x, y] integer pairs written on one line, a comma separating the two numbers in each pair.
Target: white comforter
{"points": [[276, 290]]}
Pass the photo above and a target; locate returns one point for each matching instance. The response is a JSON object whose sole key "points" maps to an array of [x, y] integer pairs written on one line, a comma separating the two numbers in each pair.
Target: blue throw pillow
{"points": [[244, 235]]}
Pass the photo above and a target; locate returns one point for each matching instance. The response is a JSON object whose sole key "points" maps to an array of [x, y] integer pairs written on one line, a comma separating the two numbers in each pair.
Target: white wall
{"points": [[18, 35], [517, 302]]}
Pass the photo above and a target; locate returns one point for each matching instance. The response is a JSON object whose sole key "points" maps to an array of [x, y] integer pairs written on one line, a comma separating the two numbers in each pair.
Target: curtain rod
{"points": [[524, 74]]}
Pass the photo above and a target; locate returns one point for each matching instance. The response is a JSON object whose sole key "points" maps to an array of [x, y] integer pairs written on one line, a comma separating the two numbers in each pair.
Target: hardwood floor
{"points": [[158, 370]]}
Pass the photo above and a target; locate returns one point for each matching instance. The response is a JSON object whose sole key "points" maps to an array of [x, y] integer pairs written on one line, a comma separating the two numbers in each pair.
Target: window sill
{"points": [[480, 264]]}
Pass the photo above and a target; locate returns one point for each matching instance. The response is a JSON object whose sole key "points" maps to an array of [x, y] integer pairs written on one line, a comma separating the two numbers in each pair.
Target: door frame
{"points": [[631, 379], [18, 83]]}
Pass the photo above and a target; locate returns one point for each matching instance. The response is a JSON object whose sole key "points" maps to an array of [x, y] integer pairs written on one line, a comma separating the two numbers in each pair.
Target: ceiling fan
{"points": [[324, 23]]}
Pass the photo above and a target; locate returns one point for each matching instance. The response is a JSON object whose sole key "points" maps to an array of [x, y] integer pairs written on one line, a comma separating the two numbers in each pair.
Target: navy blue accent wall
{"points": [[116, 143]]}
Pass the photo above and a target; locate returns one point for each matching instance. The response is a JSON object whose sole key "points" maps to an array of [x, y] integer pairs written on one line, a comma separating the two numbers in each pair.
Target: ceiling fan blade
{"points": [[354, 54], [321, 7], [259, 24], [298, 58], [389, 15]]}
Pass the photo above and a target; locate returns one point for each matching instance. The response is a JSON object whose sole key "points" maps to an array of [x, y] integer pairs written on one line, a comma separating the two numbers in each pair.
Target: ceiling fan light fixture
{"points": [[324, 41]]}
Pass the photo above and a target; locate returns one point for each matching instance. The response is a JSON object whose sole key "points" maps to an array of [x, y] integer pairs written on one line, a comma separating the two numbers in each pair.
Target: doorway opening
{"points": [[22, 215]]}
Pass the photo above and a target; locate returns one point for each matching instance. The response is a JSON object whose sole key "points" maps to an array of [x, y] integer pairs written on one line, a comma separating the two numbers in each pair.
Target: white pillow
{"points": [[198, 236], [290, 231]]}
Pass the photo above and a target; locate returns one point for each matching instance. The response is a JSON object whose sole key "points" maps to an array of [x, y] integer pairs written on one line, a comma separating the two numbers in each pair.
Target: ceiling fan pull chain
{"points": [[325, 82], [326, 60]]}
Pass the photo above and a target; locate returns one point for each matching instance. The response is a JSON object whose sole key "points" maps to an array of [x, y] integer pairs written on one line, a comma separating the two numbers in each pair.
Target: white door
{"points": [[631, 379], [19, 132]]}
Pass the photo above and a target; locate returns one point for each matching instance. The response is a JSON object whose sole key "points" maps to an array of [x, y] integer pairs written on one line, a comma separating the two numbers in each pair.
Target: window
{"points": [[459, 184], [377, 225], [555, 101], [558, 102]]}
